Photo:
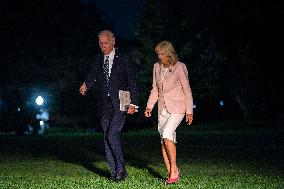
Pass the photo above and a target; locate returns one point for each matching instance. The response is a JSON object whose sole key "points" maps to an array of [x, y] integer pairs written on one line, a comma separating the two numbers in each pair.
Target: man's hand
{"points": [[147, 112], [189, 118], [131, 109], [83, 88]]}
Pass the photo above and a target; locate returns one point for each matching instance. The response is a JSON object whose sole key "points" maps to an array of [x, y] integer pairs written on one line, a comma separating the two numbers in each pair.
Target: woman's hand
{"points": [[147, 112], [189, 118]]}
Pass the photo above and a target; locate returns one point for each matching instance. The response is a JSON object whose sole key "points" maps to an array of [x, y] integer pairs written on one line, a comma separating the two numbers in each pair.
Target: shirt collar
{"points": [[111, 55]]}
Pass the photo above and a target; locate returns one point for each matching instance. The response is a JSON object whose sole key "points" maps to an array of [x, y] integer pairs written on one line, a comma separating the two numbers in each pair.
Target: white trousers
{"points": [[167, 125]]}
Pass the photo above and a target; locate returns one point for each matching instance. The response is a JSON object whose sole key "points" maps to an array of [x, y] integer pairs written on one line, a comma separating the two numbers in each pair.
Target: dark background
{"points": [[232, 50]]}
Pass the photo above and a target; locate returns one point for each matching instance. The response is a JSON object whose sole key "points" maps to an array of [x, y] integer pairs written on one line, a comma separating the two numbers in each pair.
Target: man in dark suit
{"points": [[112, 71]]}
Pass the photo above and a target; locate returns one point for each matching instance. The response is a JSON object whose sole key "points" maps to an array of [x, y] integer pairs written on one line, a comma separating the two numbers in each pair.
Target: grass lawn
{"points": [[208, 156]]}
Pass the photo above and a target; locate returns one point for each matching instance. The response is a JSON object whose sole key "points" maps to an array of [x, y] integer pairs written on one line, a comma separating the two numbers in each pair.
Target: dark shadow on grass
{"points": [[86, 152], [82, 151], [81, 157], [85, 161], [141, 164], [91, 167]]}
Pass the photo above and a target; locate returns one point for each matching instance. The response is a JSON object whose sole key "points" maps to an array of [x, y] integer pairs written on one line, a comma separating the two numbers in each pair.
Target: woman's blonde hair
{"points": [[168, 50]]}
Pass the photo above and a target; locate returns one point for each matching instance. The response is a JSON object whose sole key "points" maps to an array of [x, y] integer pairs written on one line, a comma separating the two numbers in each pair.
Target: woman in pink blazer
{"points": [[172, 91]]}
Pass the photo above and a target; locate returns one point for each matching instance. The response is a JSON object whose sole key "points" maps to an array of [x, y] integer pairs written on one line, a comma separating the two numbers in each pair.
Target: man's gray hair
{"points": [[108, 33]]}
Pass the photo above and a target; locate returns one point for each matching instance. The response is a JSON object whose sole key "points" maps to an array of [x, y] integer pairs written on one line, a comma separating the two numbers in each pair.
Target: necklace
{"points": [[166, 65]]}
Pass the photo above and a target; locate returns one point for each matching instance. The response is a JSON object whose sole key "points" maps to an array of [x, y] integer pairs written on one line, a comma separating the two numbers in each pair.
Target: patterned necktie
{"points": [[106, 68]]}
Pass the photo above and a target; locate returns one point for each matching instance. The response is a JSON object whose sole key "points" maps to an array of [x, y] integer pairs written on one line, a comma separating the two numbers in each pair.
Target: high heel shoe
{"points": [[173, 180]]}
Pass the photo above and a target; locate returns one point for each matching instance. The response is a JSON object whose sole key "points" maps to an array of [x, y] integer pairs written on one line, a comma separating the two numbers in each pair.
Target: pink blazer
{"points": [[173, 92]]}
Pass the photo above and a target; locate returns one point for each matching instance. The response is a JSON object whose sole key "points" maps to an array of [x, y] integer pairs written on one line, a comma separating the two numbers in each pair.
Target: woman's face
{"points": [[162, 57]]}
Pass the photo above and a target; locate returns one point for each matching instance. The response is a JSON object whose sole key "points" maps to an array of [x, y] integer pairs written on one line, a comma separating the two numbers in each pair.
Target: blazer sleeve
{"points": [[91, 77], [154, 94], [132, 83], [183, 75]]}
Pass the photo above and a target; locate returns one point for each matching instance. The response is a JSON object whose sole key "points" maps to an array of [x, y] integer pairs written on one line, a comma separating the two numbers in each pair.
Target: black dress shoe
{"points": [[121, 176], [113, 177]]}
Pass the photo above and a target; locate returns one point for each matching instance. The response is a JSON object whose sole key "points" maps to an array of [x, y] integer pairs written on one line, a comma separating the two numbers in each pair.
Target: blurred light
{"points": [[19, 109], [221, 103], [194, 106], [39, 100], [43, 115], [41, 123]]}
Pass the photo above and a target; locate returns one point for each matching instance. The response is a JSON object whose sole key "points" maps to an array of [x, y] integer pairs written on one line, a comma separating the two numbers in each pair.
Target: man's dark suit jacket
{"points": [[122, 77]]}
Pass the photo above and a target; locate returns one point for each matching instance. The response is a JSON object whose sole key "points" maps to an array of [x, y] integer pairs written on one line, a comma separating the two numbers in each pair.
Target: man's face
{"points": [[106, 44]]}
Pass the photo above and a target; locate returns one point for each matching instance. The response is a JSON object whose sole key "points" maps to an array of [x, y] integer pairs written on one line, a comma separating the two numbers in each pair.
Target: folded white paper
{"points": [[125, 101]]}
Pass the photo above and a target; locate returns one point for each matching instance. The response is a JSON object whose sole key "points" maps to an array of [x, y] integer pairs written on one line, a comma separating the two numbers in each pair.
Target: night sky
{"points": [[122, 13]]}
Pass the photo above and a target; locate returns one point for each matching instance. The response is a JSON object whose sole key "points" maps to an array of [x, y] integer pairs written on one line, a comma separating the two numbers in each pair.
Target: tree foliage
{"points": [[222, 44]]}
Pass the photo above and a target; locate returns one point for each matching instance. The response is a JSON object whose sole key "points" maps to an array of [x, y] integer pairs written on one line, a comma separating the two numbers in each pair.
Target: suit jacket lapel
{"points": [[100, 65], [114, 63], [101, 62], [168, 74], [160, 74], [170, 71]]}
